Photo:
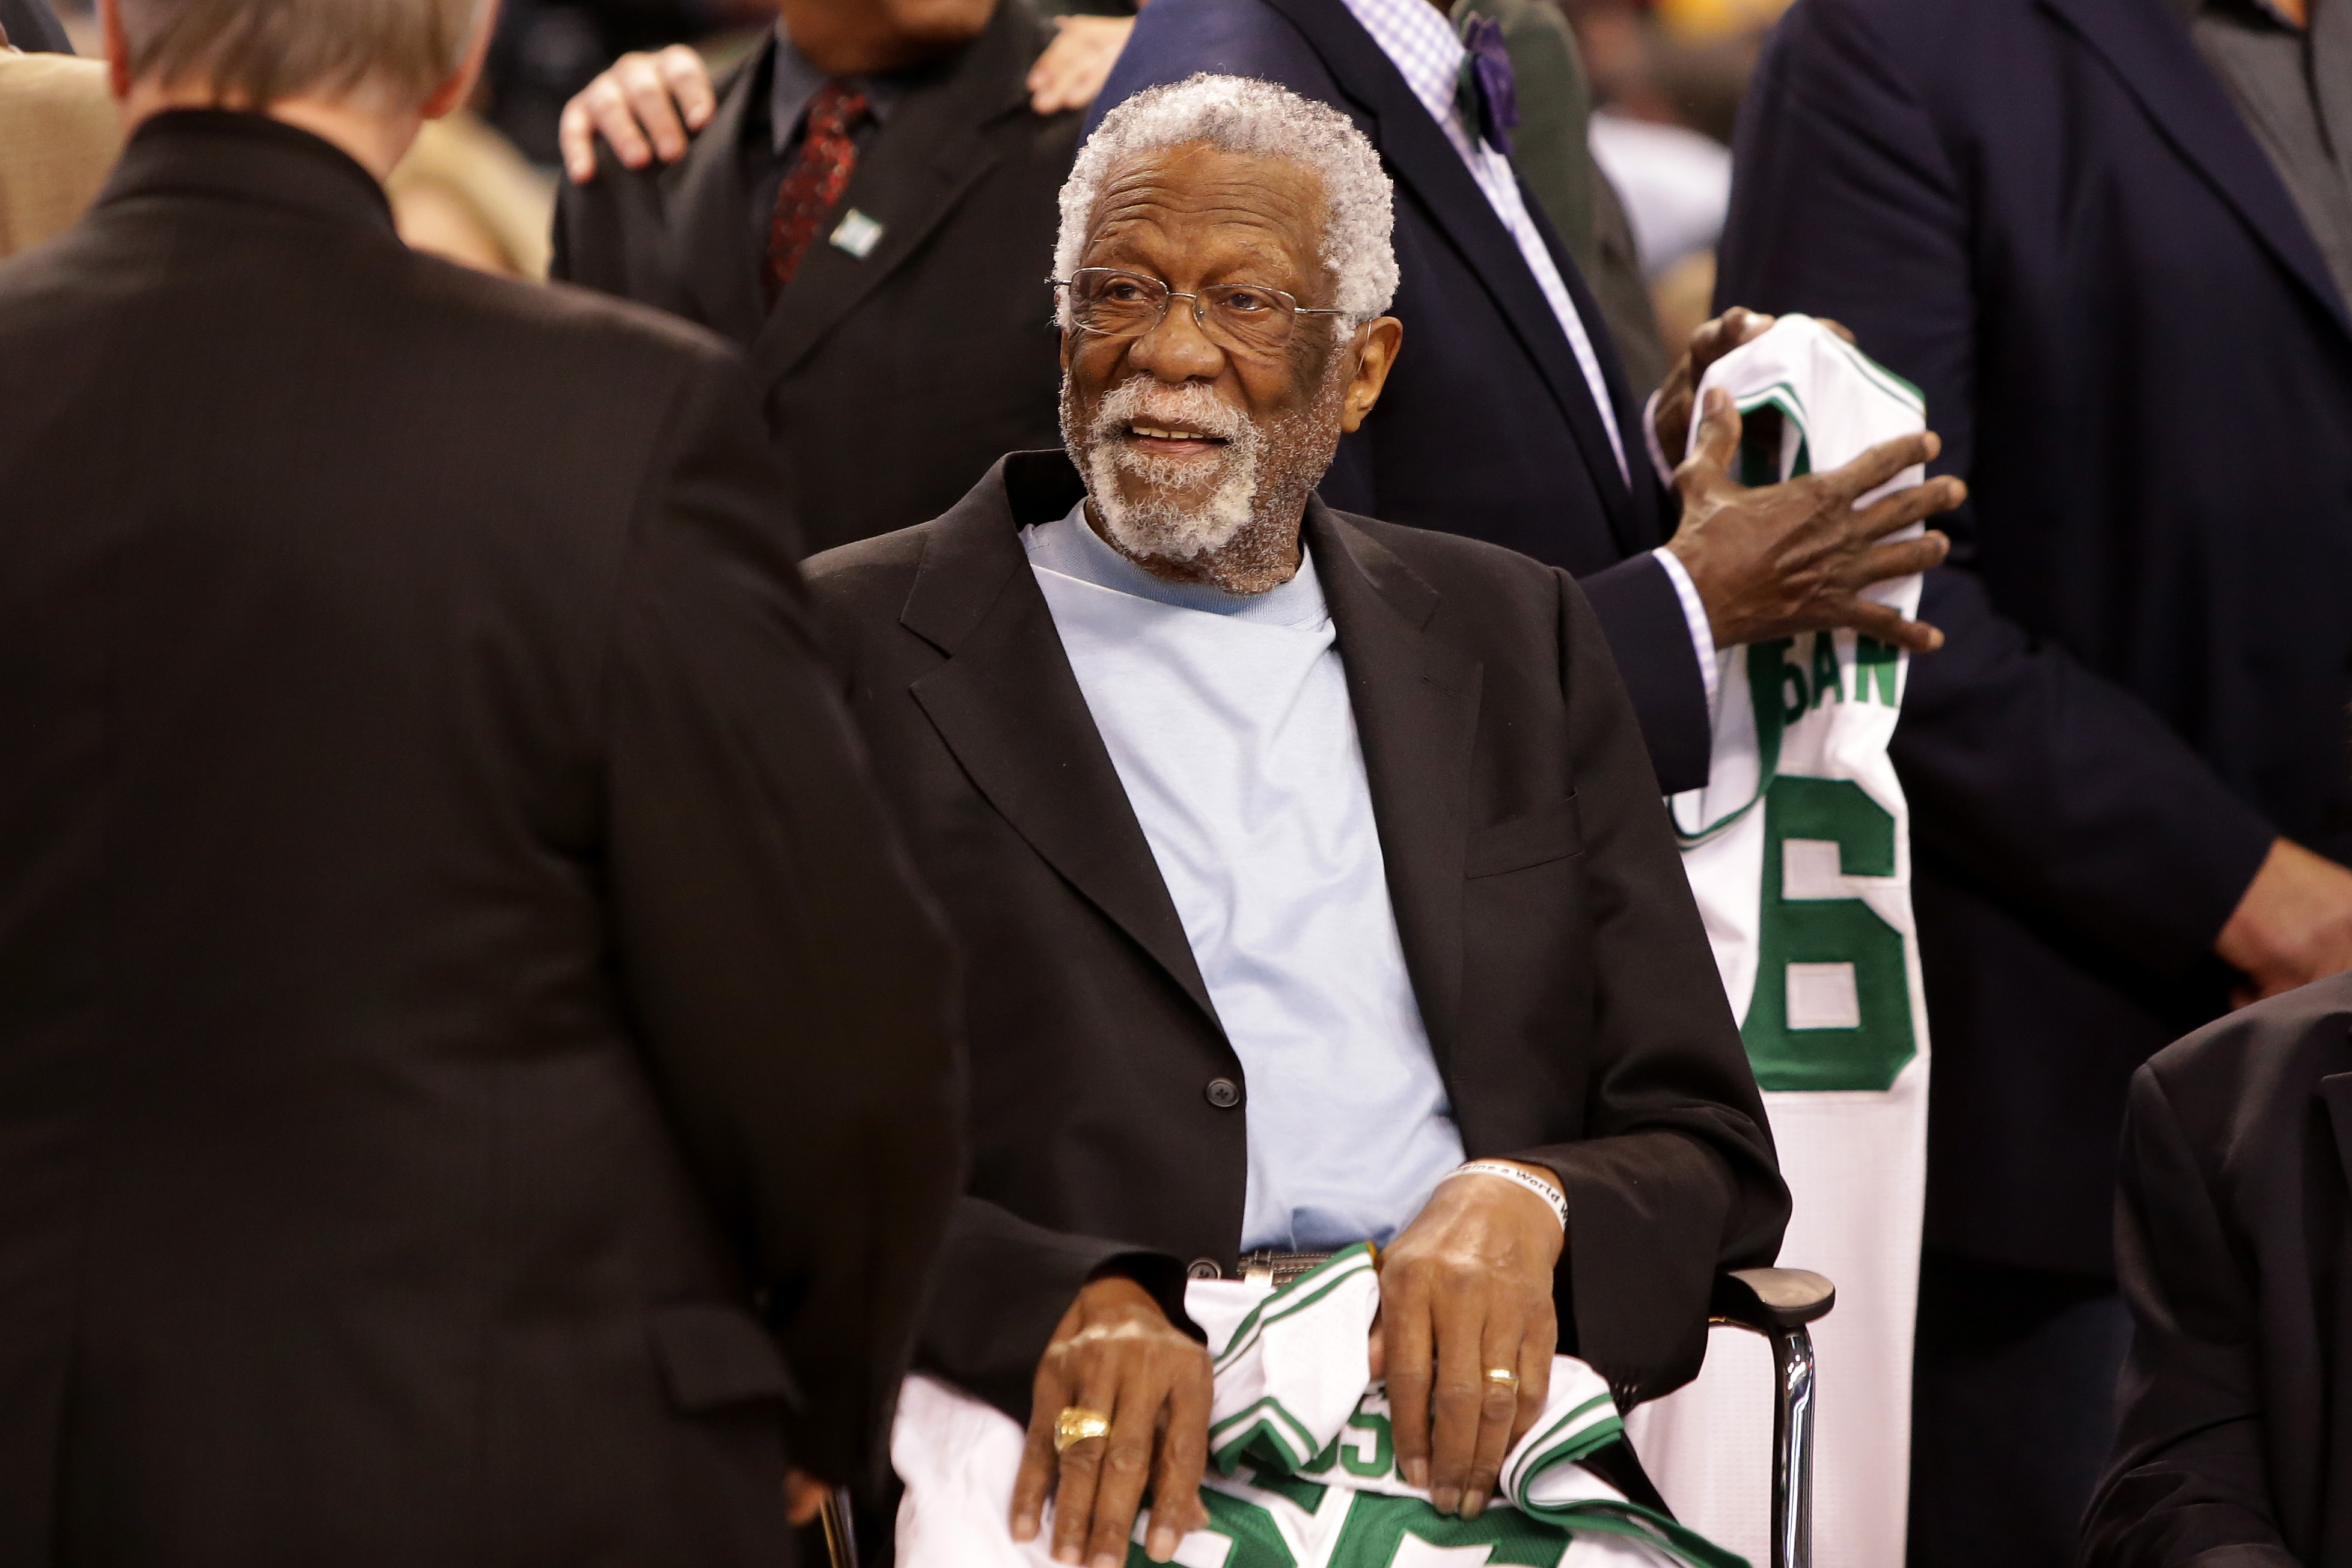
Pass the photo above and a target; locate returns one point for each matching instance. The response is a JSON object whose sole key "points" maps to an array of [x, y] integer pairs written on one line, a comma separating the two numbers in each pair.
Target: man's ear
{"points": [[118, 49], [452, 94], [1375, 356]]}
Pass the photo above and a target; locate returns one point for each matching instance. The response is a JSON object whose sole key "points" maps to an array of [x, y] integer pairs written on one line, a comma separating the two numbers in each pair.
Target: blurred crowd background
{"points": [[1664, 82]]}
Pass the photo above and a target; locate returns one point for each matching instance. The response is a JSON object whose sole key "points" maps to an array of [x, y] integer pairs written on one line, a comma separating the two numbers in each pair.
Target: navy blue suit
{"points": [[2049, 214], [1488, 428]]}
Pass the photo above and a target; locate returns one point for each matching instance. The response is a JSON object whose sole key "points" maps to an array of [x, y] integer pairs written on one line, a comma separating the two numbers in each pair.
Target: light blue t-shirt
{"points": [[1227, 718]]}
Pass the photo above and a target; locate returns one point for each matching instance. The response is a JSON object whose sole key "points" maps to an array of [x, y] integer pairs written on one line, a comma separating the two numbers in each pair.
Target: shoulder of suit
{"points": [[2271, 1053], [886, 563], [1933, 38], [582, 319]]}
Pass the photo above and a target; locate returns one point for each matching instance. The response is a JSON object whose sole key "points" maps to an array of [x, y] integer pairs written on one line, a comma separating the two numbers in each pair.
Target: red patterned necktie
{"points": [[815, 183]]}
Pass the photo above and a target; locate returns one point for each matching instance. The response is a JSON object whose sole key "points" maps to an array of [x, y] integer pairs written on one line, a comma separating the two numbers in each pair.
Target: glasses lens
{"points": [[1117, 304], [1248, 317]]}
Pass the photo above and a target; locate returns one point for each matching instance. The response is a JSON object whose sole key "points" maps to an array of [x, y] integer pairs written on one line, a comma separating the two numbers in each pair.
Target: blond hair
{"points": [[260, 52]]}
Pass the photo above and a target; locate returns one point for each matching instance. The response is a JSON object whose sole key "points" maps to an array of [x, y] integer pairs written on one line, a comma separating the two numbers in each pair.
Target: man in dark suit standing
{"points": [[476, 1082], [2236, 1442], [1296, 856], [867, 212], [1512, 420], [2112, 241]]}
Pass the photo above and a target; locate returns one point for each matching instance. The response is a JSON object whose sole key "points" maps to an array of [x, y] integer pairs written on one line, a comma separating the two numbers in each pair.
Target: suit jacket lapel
{"points": [[2146, 45], [1424, 161], [1007, 704], [909, 176], [713, 253], [1416, 704]]}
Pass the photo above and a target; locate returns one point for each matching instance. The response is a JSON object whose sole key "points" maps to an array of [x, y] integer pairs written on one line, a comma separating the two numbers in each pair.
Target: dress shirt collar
{"points": [[1071, 546], [1423, 45], [794, 83]]}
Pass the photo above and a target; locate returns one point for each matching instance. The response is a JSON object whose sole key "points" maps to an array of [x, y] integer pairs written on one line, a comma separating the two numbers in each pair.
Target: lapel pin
{"points": [[856, 234]]}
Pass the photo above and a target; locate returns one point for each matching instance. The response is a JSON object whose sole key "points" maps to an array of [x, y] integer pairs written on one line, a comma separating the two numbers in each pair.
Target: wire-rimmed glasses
{"points": [[1246, 317]]}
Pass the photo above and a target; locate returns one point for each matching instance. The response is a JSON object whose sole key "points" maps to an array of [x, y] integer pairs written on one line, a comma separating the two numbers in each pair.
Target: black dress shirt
{"points": [[778, 122]]}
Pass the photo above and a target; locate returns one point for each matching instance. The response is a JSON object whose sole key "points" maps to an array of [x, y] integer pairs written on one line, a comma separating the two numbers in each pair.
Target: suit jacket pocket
{"points": [[714, 1356], [1547, 833]]}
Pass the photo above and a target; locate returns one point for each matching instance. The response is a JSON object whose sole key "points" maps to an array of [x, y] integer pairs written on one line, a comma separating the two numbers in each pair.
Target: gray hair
{"points": [[1239, 114], [260, 52]]}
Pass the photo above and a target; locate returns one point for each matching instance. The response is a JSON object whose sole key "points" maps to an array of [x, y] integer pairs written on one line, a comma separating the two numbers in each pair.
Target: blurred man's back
{"points": [[450, 965]]}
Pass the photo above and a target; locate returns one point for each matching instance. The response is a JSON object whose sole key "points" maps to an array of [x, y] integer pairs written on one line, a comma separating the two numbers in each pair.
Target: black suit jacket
{"points": [[450, 956], [1487, 428], [2235, 1242], [890, 384], [2049, 214], [1566, 984]]}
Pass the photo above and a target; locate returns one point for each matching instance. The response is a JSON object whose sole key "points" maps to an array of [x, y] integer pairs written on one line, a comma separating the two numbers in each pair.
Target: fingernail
{"points": [[1445, 1500], [1416, 1472], [1473, 1503], [1070, 1555], [1162, 1547], [1105, 1560]]}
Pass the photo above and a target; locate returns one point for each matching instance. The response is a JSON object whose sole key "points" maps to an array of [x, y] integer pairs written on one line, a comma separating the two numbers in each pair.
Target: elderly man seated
{"points": [[1295, 856]]}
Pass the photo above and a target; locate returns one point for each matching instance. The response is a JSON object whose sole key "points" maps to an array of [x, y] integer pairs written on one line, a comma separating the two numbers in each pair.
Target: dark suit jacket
{"points": [[2234, 1241], [891, 383], [450, 956], [33, 27], [1487, 428], [1561, 970], [2048, 213]]}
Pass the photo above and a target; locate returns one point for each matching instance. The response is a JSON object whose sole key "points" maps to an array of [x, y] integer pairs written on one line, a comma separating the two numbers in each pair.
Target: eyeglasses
{"points": [[1239, 315]]}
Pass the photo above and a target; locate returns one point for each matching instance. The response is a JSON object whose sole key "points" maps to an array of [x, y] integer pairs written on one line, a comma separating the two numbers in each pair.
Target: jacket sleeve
{"points": [[1641, 616], [2188, 1484], [793, 991], [1175, 38], [2060, 790], [1675, 1178]]}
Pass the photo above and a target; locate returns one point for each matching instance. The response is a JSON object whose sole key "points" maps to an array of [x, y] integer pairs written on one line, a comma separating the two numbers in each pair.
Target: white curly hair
{"points": [[1240, 114]]}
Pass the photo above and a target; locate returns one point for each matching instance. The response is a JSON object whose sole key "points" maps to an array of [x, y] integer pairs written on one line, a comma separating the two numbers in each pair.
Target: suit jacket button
{"points": [[1223, 1094], [1203, 1268]]}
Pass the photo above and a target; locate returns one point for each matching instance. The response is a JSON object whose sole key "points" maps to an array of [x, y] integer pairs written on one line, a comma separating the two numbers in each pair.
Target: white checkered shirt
{"points": [[1421, 42]]}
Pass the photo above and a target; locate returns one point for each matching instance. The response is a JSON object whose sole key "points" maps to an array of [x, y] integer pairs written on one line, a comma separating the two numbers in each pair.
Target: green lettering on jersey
{"points": [[1381, 1460], [1378, 1526], [1827, 682], [1829, 932], [1874, 659]]}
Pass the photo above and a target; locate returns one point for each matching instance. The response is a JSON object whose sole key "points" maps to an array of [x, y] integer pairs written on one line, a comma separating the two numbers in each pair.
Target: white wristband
{"points": [[1527, 1179]]}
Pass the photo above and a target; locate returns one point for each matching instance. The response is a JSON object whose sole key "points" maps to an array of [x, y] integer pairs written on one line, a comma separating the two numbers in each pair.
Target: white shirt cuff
{"points": [[1657, 453], [1702, 636]]}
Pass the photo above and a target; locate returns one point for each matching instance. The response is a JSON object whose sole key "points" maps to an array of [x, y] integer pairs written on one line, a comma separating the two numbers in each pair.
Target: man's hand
{"points": [[643, 104], [1116, 1353], [2293, 926], [1795, 556], [1671, 417], [1077, 62], [804, 1496], [1713, 340], [1465, 1290]]}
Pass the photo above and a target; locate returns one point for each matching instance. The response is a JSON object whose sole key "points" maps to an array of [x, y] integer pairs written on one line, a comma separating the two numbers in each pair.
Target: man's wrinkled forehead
{"points": [[1197, 198]]}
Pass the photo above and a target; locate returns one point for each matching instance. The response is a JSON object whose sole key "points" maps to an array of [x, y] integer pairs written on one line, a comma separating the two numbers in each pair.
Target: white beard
{"points": [[1161, 525]]}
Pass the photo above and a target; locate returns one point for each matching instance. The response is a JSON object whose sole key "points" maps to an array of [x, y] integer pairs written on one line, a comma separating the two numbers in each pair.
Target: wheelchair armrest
{"points": [[1768, 1299]]}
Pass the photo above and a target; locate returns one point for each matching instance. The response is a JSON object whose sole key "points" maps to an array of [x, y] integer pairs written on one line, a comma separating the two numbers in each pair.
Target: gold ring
{"points": [[1075, 1425], [1504, 1375]]}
